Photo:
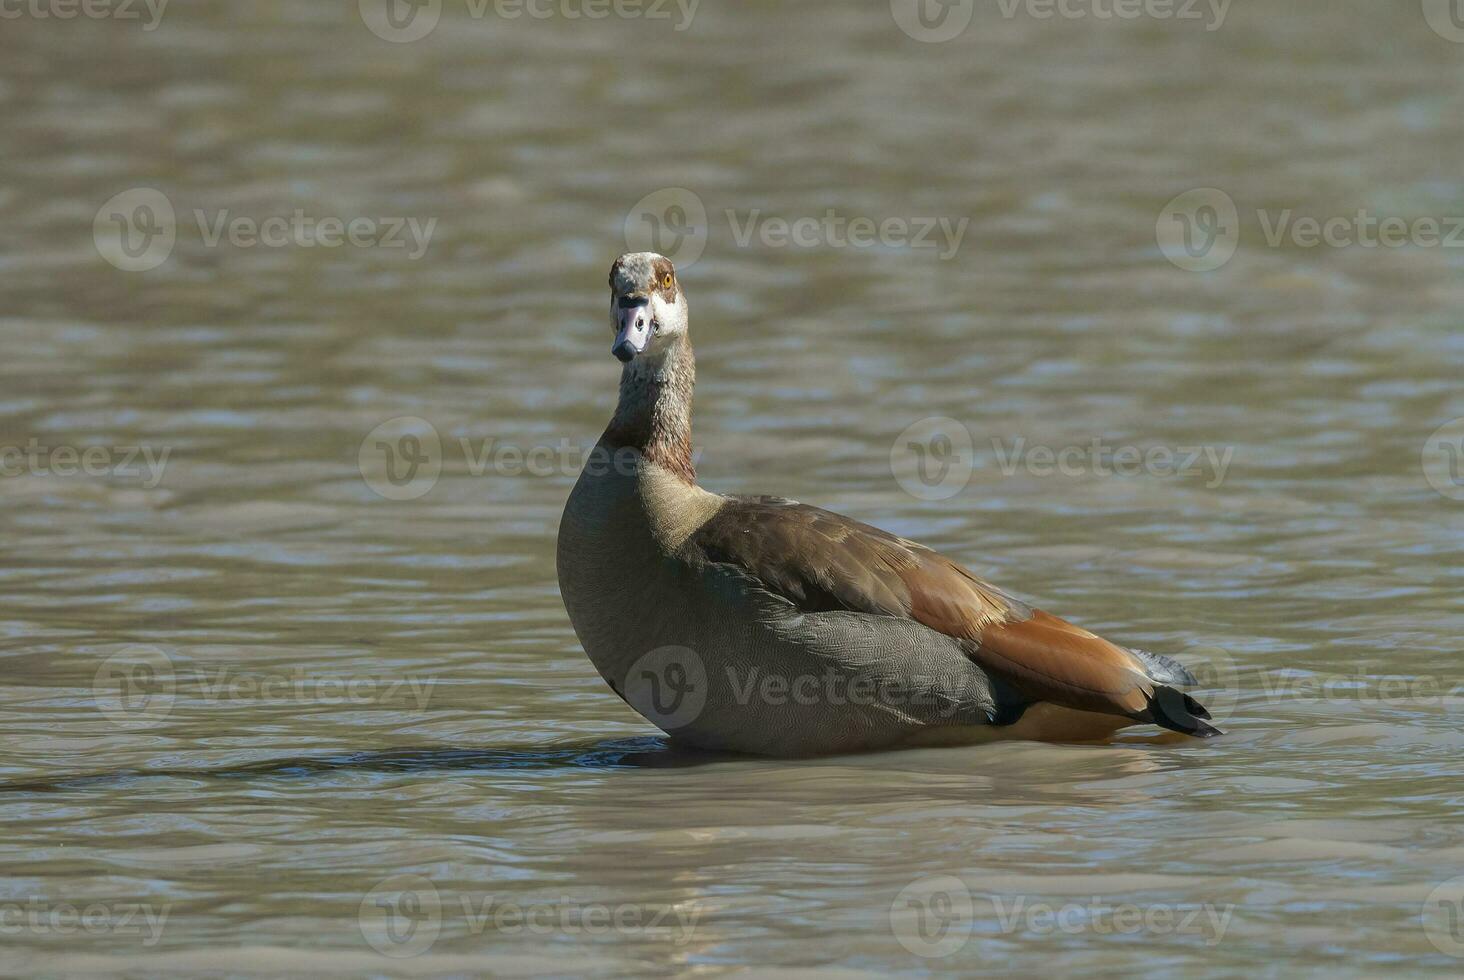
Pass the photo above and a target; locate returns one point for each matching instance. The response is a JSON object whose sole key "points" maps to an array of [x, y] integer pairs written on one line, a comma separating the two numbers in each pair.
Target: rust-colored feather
{"points": [[1056, 661]]}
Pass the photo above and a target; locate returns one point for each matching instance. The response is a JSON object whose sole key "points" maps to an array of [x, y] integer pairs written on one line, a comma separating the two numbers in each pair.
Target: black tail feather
{"points": [[1195, 708], [1179, 712]]}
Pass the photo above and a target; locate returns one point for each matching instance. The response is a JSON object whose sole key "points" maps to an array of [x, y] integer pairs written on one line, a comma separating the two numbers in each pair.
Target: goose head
{"points": [[647, 307]]}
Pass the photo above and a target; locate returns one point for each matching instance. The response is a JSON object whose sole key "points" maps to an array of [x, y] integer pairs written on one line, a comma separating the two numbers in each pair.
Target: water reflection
{"points": [[646, 752]]}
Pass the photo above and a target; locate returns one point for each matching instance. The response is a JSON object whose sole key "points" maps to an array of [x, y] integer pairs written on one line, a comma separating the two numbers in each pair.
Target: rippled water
{"points": [[260, 717]]}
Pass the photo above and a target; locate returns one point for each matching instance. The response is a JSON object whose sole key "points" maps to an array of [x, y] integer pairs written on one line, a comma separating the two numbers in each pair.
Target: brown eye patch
{"points": [[664, 280]]}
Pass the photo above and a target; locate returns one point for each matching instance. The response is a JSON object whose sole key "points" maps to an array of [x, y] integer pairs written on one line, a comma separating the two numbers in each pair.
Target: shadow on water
{"points": [[626, 753]]}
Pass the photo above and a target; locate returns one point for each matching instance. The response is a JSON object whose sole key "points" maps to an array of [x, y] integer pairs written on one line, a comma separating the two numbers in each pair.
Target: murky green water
{"points": [[261, 718]]}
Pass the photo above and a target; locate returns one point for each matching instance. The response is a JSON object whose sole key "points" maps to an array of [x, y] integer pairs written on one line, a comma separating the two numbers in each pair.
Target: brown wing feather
{"points": [[822, 561]]}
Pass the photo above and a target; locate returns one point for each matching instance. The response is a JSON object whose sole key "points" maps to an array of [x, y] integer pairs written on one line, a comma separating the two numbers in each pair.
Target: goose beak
{"points": [[633, 318]]}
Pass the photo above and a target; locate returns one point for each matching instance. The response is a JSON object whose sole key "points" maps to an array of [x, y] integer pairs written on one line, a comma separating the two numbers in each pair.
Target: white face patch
{"points": [[667, 314]]}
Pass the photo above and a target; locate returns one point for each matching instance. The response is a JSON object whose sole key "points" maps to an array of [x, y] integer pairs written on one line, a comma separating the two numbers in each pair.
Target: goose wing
{"points": [[821, 561]]}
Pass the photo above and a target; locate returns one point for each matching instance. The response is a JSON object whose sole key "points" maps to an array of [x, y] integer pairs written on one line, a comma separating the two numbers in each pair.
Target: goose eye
{"points": [[666, 281]]}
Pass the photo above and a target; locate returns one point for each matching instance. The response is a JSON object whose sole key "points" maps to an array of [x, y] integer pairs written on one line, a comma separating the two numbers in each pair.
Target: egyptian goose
{"points": [[762, 625]]}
